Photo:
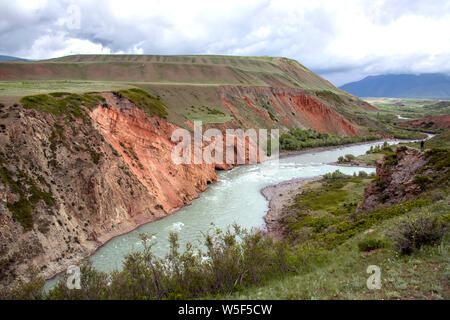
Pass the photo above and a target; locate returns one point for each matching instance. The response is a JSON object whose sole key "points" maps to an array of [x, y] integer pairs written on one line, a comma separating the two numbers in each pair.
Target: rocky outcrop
{"points": [[144, 144], [395, 178], [287, 107]]}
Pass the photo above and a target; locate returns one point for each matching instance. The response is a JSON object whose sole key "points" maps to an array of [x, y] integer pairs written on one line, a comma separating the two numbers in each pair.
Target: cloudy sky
{"points": [[341, 40]]}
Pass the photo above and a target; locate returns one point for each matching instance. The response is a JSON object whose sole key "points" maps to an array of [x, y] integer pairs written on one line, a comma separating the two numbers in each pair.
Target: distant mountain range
{"points": [[9, 58], [428, 85]]}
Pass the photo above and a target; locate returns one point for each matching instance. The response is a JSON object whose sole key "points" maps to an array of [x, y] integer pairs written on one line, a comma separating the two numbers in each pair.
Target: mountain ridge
{"points": [[426, 85]]}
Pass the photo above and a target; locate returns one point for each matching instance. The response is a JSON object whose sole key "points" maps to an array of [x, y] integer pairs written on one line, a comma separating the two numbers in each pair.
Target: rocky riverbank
{"points": [[278, 195]]}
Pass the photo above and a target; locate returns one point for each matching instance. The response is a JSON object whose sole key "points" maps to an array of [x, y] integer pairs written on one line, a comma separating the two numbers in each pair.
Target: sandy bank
{"points": [[278, 195]]}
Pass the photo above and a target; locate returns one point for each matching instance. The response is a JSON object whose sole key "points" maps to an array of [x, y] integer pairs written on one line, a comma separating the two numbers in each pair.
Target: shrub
{"points": [[349, 157], [149, 103], [422, 181], [371, 244], [383, 198], [22, 212], [341, 159], [362, 174], [334, 175], [330, 96], [231, 260], [390, 159], [412, 233]]}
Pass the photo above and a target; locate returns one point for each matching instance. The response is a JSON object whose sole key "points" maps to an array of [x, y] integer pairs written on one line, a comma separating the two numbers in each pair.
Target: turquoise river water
{"points": [[236, 198]]}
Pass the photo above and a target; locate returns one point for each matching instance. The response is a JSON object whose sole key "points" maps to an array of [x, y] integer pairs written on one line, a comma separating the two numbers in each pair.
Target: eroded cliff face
{"points": [[70, 184], [64, 191], [286, 107], [145, 144], [395, 179]]}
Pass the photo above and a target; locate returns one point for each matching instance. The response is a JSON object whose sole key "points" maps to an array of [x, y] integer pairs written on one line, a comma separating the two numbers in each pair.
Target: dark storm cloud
{"points": [[342, 40]]}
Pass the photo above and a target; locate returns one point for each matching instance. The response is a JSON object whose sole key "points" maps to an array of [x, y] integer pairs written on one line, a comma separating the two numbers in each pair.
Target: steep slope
{"points": [[407, 173], [69, 183], [432, 85]]}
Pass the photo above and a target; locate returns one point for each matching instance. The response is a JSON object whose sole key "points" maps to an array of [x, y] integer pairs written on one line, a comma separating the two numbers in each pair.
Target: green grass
{"points": [[206, 115], [330, 96], [341, 273], [235, 70], [62, 104], [32, 87], [325, 215], [149, 103]]}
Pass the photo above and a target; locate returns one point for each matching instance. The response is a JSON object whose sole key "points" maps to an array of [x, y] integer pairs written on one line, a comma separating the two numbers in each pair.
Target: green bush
{"points": [[422, 181], [231, 260], [412, 233], [330, 96], [59, 103], [298, 139], [150, 104], [349, 157], [371, 244], [334, 175], [362, 174]]}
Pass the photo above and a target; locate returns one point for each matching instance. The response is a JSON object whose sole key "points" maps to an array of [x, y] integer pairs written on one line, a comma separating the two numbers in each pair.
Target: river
{"points": [[236, 198]]}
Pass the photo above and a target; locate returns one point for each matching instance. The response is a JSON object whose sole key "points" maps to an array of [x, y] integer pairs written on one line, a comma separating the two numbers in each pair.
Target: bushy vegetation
{"points": [[326, 238], [412, 233], [338, 196], [150, 104], [232, 260], [29, 195], [62, 103], [298, 139], [330, 96], [346, 158], [369, 244], [436, 172], [341, 272], [402, 133]]}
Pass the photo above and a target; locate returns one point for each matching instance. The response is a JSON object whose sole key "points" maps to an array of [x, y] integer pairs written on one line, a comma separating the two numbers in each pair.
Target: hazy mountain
{"points": [[9, 58], [429, 85]]}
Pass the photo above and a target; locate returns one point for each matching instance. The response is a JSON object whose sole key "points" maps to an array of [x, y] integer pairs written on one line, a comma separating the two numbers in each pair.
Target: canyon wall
{"points": [[283, 107], [71, 184]]}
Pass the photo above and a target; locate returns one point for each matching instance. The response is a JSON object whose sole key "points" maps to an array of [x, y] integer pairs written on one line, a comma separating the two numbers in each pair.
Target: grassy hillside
{"points": [[195, 88], [197, 70], [248, 91]]}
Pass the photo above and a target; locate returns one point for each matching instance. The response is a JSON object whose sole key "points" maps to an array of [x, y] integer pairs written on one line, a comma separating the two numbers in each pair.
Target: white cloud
{"points": [[47, 47], [343, 40]]}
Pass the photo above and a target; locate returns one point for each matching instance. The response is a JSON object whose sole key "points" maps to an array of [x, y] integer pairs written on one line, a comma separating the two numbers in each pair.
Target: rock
{"points": [[395, 178]]}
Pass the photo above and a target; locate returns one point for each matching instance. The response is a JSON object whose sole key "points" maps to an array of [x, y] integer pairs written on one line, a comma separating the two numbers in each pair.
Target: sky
{"points": [[343, 40]]}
